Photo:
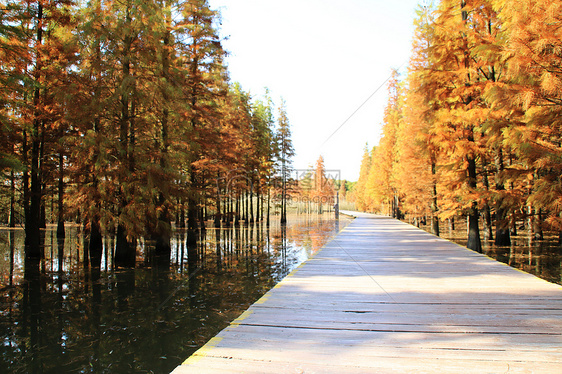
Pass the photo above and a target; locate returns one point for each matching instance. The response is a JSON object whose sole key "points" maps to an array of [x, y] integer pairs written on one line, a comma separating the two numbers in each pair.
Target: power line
{"points": [[360, 106]]}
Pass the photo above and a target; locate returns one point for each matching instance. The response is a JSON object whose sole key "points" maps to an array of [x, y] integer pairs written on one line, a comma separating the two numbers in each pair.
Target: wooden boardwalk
{"points": [[386, 297]]}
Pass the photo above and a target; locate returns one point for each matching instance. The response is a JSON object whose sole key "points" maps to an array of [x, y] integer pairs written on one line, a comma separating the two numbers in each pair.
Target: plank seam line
{"points": [[405, 331]]}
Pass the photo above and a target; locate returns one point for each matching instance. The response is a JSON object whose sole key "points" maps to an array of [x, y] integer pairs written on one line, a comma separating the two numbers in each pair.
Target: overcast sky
{"points": [[324, 58]]}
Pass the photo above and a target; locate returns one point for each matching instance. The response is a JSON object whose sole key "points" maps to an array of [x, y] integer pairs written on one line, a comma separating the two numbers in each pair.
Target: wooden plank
{"points": [[384, 296]]}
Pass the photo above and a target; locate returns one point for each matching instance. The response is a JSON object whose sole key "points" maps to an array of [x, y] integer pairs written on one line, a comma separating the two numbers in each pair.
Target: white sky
{"points": [[324, 58]]}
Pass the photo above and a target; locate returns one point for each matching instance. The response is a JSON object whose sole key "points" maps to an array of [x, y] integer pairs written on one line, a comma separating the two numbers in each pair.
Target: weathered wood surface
{"points": [[385, 297]]}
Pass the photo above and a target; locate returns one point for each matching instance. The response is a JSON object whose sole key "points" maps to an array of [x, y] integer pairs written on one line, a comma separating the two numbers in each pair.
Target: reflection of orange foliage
{"points": [[313, 234]]}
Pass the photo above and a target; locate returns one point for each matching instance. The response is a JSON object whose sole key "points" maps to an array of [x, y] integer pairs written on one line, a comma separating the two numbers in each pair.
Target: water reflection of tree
{"points": [[74, 319], [31, 313]]}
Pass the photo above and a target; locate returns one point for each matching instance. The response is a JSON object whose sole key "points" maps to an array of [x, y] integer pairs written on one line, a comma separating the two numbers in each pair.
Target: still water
{"points": [[58, 316]]}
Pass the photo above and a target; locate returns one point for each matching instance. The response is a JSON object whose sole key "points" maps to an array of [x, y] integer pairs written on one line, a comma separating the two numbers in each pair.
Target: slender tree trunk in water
{"points": [[33, 217], [473, 242], [12, 222], [268, 205], [192, 212], [489, 232], [283, 196], [60, 216], [33, 214], [181, 214], [125, 249], [258, 210], [43, 215], [224, 217], [233, 213], [25, 179], [512, 224], [239, 207], [85, 246], [161, 233], [251, 198], [434, 206], [247, 207], [202, 218], [538, 225], [218, 212], [96, 243], [503, 237]]}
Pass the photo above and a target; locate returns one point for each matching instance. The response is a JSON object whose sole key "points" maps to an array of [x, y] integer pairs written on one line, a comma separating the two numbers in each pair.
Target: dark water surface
{"points": [[57, 316]]}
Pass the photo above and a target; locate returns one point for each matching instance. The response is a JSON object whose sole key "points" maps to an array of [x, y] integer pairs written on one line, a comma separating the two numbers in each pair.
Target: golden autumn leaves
{"points": [[476, 126]]}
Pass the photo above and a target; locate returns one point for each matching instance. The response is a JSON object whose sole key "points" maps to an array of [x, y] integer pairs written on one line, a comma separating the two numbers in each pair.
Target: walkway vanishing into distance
{"points": [[386, 297]]}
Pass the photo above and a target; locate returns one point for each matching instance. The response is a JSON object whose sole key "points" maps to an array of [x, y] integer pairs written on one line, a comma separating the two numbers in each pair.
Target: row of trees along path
{"points": [[475, 127], [121, 114]]}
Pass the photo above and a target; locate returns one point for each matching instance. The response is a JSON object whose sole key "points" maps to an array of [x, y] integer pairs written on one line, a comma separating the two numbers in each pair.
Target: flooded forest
{"points": [[144, 194]]}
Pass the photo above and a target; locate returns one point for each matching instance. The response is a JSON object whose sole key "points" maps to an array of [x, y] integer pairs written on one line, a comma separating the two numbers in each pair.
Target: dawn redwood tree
{"points": [[418, 156], [13, 65], [262, 139], [114, 154], [90, 157], [360, 187], [381, 184], [204, 85], [486, 38], [453, 74], [532, 96], [285, 152], [42, 69], [323, 188]]}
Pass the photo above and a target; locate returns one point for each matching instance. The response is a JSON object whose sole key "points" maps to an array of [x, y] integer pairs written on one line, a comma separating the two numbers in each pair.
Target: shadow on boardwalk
{"points": [[384, 296]]}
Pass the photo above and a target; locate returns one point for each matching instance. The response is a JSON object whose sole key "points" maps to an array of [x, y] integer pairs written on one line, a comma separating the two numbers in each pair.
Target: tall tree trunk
{"points": [[473, 242], [125, 248], [12, 222], [33, 214], [162, 232], [538, 225], [258, 200], [247, 207], [60, 214], [488, 231], [268, 205], [503, 237], [283, 195], [218, 212], [434, 206], [25, 178], [96, 243], [192, 208], [251, 198]]}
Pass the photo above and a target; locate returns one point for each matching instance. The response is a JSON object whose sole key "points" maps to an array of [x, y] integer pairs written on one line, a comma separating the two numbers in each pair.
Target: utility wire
{"points": [[360, 106]]}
